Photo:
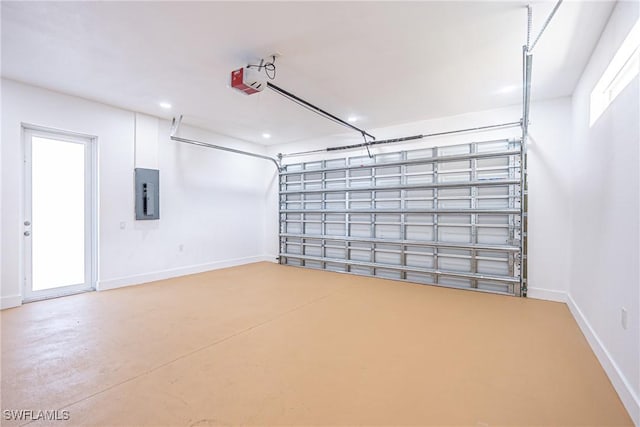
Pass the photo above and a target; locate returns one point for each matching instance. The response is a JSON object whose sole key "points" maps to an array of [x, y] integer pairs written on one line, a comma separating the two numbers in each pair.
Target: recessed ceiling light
{"points": [[266, 135], [352, 119], [165, 105]]}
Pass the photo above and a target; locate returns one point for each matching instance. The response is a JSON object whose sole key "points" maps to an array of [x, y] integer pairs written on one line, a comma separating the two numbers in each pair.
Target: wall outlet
{"points": [[624, 318]]}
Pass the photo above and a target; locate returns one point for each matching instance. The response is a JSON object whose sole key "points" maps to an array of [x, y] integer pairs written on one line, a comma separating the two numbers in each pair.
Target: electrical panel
{"points": [[147, 193]]}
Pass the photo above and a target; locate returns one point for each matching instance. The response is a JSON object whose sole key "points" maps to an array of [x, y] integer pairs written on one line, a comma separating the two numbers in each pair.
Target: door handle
{"points": [[27, 233]]}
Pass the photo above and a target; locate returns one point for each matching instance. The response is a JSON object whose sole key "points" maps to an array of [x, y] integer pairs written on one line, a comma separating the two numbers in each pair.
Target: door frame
{"points": [[91, 211]]}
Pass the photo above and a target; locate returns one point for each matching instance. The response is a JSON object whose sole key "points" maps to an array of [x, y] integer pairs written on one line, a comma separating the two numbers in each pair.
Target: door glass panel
{"points": [[58, 213]]}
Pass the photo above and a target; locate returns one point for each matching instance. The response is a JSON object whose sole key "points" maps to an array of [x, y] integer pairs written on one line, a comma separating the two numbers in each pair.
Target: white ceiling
{"points": [[385, 62]]}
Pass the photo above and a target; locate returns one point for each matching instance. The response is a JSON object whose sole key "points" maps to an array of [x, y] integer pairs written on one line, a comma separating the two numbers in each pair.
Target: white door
{"points": [[59, 221]]}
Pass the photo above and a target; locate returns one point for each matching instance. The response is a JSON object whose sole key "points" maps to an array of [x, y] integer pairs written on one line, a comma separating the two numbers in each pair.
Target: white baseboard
{"points": [[629, 398], [10, 301], [271, 258], [547, 294], [139, 279]]}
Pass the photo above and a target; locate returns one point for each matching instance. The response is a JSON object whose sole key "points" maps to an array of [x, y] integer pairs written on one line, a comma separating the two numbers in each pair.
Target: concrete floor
{"points": [[264, 344]]}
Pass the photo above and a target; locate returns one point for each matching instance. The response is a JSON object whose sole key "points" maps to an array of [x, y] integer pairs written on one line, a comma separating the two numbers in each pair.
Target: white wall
{"points": [[1, 204], [211, 202], [605, 216], [549, 158]]}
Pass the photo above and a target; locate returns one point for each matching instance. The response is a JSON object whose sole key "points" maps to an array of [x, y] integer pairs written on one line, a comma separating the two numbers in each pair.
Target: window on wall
{"points": [[624, 66]]}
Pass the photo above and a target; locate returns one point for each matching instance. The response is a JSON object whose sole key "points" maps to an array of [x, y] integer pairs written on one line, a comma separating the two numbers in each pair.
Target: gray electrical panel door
{"points": [[147, 193], [448, 216]]}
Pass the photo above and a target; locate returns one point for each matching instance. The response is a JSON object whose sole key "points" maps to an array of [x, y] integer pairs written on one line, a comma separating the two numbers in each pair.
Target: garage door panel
{"points": [[387, 181], [495, 286], [454, 166], [315, 251], [388, 157], [495, 263], [454, 262], [361, 182], [420, 278], [492, 174], [496, 220], [335, 229], [424, 153], [388, 171], [392, 258], [360, 173], [419, 260], [313, 228], [455, 282], [454, 198], [293, 248], [293, 186], [336, 267], [443, 215], [313, 264], [362, 271], [293, 228], [454, 234], [360, 254], [387, 231], [297, 262], [419, 232], [360, 230], [335, 163], [419, 218], [453, 177], [419, 199], [335, 252], [453, 150], [493, 235], [388, 200], [360, 204], [335, 204], [387, 218], [388, 274], [494, 197], [421, 168], [493, 162]]}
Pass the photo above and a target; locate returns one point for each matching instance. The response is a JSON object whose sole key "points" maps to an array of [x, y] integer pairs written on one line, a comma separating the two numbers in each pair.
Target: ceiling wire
{"points": [[269, 68]]}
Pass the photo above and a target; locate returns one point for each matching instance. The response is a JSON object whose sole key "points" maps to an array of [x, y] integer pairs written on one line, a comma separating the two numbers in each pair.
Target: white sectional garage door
{"points": [[448, 216]]}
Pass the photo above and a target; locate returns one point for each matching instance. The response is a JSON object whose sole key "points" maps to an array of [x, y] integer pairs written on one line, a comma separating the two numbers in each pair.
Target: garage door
{"points": [[448, 216]]}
